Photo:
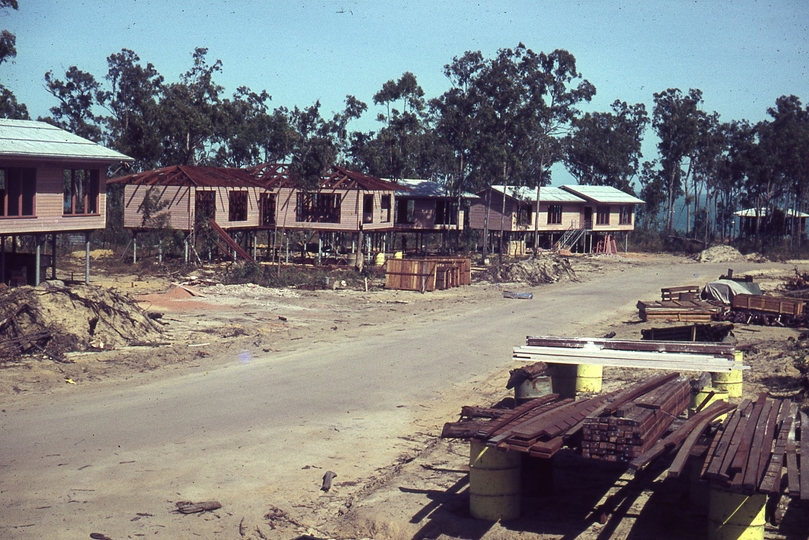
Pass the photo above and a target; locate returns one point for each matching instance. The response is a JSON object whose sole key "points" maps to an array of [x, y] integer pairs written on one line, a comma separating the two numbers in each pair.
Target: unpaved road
{"points": [[256, 431]]}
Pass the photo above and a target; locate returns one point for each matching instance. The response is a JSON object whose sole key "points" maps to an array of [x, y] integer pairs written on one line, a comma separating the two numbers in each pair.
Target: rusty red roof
{"points": [[190, 175], [266, 175]]}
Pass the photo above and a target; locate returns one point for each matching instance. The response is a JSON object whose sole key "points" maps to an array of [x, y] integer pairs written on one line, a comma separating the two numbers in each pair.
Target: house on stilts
{"points": [[348, 211], [51, 183], [575, 217]]}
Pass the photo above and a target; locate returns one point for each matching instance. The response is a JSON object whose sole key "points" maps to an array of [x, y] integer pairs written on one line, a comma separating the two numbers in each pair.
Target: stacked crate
{"points": [[635, 427]]}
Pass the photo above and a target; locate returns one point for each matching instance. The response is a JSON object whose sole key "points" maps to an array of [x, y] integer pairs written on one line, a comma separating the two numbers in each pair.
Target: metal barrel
{"points": [[495, 489], [703, 398], [730, 381], [735, 516], [530, 389], [568, 379]]}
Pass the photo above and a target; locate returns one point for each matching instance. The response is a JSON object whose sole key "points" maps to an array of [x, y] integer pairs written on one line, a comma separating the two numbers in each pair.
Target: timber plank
{"points": [[716, 458], [771, 483], [743, 451], [793, 479], [761, 447], [679, 435], [516, 413], [724, 469]]}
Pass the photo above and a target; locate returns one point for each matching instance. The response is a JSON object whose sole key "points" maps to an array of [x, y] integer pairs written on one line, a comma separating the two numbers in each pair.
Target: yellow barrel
{"points": [[733, 516], [701, 396], [568, 379], [730, 381], [380, 259], [398, 255], [494, 483], [588, 378]]}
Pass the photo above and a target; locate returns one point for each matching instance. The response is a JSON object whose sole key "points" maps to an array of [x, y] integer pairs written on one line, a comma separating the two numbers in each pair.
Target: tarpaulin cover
{"points": [[725, 289]]}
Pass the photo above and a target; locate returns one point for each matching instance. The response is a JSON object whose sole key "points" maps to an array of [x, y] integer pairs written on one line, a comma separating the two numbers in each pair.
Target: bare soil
{"points": [[422, 493]]}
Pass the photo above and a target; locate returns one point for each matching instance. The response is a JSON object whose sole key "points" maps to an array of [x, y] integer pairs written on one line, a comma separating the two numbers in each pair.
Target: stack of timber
{"points": [[756, 443], [543, 426], [427, 274], [538, 427], [632, 429], [666, 355], [685, 310], [692, 332], [687, 292]]}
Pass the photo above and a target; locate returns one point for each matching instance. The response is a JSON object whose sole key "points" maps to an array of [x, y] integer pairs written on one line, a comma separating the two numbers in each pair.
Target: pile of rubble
{"points": [[717, 254], [53, 319], [535, 271]]}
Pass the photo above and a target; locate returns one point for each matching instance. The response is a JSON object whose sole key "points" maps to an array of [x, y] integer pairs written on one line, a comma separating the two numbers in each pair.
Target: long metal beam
{"points": [[595, 355]]}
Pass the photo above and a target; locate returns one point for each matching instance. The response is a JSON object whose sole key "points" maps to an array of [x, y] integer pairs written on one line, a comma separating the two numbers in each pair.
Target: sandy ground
{"points": [[422, 493]]}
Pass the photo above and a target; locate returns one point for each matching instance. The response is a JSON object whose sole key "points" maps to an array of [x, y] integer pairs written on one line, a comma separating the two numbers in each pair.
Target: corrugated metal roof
{"points": [[420, 188], [29, 139], [603, 194], [546, 194], [762, 212]]}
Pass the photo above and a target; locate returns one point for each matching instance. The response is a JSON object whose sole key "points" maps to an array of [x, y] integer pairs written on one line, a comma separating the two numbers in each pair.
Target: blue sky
{"points": [[741, 54]]}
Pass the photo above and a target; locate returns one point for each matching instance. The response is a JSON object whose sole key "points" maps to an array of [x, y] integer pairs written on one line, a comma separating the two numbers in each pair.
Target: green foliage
{"points": [[604, 149], [133, 128], [77, 95], [10, 107]]}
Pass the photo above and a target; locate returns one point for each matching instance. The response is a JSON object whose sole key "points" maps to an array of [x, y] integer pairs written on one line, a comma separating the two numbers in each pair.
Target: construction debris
{"points": [[717, 254], [535, 271], [188, 507], [518, 295], [526, 373], [53, 319]]}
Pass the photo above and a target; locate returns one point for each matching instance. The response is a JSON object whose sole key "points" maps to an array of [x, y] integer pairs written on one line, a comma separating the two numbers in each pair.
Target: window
{"points": [[625, 216], [603, 215], [405, 211], [385, 202], [446, 212], [368, 209], [80, 192], [267, 207], [18, 189], [237, 208], [554, 214], [524, 215], [318, 208]]}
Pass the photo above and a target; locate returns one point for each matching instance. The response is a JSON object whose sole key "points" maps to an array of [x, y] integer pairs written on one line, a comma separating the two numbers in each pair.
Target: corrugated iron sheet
{"points": [[30, 139]]}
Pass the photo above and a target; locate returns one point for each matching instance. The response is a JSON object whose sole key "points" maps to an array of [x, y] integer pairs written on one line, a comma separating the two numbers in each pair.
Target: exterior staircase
{"points": [[572, 235], [230, 245]]}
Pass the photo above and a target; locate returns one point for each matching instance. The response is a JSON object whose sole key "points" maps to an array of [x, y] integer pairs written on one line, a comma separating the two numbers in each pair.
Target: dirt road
{"points": [[256, 430]]}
